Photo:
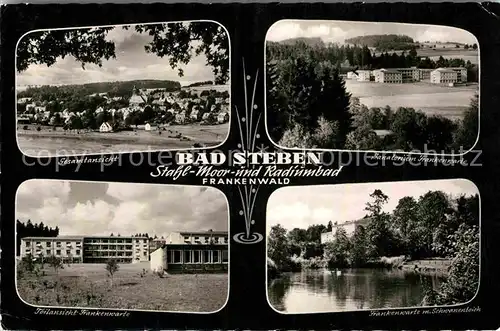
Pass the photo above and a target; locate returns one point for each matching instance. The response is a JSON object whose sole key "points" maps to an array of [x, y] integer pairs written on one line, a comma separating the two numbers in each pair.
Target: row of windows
{"points": [[207, 239], [58, 252], [69, 245], [107, 254], [115, 241], [105, 247], [49, 243], [195, 256]]}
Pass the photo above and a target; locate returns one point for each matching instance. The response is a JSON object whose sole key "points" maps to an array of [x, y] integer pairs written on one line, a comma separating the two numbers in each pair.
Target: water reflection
{"points": [[317, 291]]}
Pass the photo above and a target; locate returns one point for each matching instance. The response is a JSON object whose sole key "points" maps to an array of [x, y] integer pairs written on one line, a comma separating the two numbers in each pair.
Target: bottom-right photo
{"points": [[347, 247]]}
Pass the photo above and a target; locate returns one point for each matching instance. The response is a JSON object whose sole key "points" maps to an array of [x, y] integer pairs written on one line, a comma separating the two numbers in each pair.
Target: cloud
{"points": [[302, 206], [132, 62], [338, 31], [93, 208]]}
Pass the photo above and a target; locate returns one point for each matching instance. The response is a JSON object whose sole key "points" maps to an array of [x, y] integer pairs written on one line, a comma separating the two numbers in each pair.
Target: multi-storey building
{"points": [[352, 75], [461, 74], [68, 248], [88, 249], [349, 227], [397, 75], [364, 75], [444, 76], [388, 76], [205, 251], [409, 75], [425, 74], [123, 249]]}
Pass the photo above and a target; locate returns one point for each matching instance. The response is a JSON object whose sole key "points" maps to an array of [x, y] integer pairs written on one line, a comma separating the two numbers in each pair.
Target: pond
{"points": [[312, 291]]}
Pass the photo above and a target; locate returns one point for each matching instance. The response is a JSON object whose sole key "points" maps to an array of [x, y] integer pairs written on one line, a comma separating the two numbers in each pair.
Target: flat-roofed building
{"points": [[409, 75], [401, 75], [364, 75], [88, 249], [388, 76], [461, 74], [99, 249], [193, 252], [444, 76], [352, 75], [425, 74], [68, 248]]}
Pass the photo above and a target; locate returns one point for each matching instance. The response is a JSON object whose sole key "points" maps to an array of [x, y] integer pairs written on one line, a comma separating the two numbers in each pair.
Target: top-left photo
{"points": [[123, 88]]}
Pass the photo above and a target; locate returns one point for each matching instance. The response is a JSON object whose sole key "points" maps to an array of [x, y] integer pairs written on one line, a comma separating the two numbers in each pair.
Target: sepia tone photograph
{"points": [[372, 86], [115, 89], [122, 246], [349, 247]]}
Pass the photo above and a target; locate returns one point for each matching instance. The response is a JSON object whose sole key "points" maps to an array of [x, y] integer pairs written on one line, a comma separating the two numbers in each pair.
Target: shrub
{"points": [[112, 267]]}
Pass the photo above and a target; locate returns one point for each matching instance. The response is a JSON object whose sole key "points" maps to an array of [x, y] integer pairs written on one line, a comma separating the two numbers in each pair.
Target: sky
{"points": [[302, 206], [131, 63], [338, 31], [99, 208]]}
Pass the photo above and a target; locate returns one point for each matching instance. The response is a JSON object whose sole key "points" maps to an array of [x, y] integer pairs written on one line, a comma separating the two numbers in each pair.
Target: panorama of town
{"points": [[52, 111]]}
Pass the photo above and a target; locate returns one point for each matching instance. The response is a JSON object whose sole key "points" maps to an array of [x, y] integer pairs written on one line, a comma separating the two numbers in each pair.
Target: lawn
{"points": [[447, 53], [50, 142], [450, 102], [134, 287]]}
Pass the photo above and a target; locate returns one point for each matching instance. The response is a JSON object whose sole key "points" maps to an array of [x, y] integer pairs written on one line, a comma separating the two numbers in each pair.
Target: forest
{"points": [[208, 82], [30, 229], [309, 106], [385, 42], [346, 57], [432, 225]]}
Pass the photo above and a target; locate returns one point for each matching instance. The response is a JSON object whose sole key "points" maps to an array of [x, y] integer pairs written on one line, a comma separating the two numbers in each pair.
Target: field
{"points": [[87, 285], [448, 53], [48, 142], [449, 102]]}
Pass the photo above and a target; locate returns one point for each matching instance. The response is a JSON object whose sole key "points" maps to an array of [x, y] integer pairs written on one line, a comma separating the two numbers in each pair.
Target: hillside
{"points": [[112, 88], [385, 42], [308, 41]]}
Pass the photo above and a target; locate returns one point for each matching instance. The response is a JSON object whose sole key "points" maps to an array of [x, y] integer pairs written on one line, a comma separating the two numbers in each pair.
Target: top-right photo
{"points": [[372, 86]]}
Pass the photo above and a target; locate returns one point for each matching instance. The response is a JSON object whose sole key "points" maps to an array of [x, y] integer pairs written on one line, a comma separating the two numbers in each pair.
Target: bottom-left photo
{"points": [[122, 246]]}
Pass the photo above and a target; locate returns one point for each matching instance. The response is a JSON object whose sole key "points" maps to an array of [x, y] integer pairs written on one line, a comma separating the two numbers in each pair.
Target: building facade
{"points": [[349, 228], [444, 76], [364, 75], [388, 76], [122, 249], [88, 249], [68, 248], [398, 75], [193, 252], [425, 74]]}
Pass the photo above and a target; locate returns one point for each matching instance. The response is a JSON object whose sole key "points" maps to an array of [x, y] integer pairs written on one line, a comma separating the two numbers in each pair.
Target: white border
{"points": [[373, 151], [131, 151], [121, 309], [415, 182]]}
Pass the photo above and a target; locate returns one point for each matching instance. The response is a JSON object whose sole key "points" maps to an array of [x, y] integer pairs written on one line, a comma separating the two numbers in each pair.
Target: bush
{"points": [[463, 279], [309, 263], [112, 267], [296, 137]]}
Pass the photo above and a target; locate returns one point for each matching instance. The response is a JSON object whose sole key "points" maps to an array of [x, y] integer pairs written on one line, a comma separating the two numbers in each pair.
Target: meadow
{"points": [[133, 286], [449, 102], [50, 142], [449, 52]]}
